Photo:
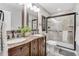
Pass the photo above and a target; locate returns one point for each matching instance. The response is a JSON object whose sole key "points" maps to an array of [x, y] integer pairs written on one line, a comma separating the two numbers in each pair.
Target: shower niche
{"points": [[61, 28]]}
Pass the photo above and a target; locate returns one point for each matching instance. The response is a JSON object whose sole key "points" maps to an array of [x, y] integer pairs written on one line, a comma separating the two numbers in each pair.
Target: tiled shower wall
{"points": [[52, 31]]}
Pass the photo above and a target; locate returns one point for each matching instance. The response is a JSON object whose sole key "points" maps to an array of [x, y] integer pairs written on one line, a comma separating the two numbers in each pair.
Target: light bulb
{"points": [[35, 8], [38, 9], [32, 8], [29, 5]]}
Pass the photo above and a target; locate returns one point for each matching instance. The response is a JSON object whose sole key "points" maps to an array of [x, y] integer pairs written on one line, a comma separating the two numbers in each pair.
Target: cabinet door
{"points": [[42, 47], [14, 51], [25, 50], [34, 48], [22, 50]]}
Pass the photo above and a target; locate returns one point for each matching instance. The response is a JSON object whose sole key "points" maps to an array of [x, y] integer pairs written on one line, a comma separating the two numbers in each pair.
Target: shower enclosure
{"points": [[62, 28]]}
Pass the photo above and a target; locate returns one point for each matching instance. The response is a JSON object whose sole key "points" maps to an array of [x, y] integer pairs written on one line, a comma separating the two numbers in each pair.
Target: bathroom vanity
{"points": [[34, 45]]}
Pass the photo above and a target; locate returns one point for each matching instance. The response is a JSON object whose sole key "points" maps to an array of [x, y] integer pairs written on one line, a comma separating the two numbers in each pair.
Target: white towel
{"points": [[65, 36]]}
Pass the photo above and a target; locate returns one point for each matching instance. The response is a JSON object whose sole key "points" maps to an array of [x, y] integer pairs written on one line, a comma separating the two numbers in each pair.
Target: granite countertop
{"points": [[27, 39]]}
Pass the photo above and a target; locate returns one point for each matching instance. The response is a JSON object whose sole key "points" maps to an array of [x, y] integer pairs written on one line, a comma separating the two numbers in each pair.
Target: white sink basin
{"points": [[38, 35], [15, 40], [51, 42]]}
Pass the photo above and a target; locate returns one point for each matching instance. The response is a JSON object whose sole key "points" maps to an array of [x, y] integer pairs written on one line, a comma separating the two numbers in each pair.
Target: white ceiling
{"points": [[52, 7]]}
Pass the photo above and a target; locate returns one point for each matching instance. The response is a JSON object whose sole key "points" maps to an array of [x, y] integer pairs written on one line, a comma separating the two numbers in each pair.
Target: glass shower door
{"points": [[61, 30]]}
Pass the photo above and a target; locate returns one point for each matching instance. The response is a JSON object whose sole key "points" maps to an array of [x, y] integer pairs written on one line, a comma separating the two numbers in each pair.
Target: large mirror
{"points": [[32, 20]]}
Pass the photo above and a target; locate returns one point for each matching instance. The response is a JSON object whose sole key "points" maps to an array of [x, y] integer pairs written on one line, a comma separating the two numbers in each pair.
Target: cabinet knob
{"points": [[33, 48]]}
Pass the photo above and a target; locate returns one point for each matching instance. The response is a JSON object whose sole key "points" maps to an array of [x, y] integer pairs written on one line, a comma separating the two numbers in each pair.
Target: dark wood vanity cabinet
{"points": [[36, 47]]}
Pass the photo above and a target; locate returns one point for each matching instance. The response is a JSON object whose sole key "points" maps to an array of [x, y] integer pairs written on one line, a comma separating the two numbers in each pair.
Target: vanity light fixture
{"points": [[33, 7]]}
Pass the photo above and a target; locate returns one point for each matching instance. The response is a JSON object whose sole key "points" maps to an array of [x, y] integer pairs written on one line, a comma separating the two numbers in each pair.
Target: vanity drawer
{"points": [[14, 51]]}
